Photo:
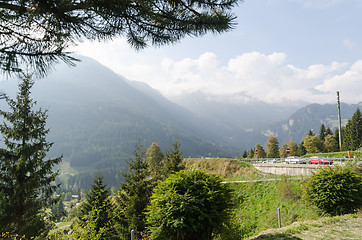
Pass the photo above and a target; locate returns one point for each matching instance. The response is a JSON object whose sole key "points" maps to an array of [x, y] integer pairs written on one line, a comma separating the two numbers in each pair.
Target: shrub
{"points": [[189, 205], [335, 190]]}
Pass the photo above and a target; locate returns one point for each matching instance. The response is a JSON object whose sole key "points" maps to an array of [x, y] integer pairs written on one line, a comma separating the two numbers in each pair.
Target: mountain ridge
{"points": [[97, 116]]}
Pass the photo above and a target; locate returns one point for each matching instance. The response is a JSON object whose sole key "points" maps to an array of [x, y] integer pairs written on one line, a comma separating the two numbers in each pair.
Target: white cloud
{"points": [[348, 83], [252, 76]]}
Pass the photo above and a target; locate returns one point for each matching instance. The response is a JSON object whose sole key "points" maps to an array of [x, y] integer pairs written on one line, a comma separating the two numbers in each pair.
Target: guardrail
{"points": [[282, 160]]}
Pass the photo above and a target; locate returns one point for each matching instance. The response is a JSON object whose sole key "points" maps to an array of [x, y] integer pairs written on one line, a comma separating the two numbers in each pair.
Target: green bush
{"points": [[336, 190], [189, 205]]}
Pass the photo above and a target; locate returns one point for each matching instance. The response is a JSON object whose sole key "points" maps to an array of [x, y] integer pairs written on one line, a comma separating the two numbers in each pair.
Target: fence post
{"points": [[280, 225], [132, 234]]}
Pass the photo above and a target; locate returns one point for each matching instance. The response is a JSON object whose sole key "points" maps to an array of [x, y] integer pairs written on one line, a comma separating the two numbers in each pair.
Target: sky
{"points": [[281, 52]]}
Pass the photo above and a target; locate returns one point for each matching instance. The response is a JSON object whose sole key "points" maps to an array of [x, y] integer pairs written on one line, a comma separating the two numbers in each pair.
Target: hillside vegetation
{"points": [[257, 210], [340, 227], [227, 168]]}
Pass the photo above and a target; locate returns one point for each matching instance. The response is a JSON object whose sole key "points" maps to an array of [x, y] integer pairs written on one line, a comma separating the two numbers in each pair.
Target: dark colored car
{"points": [[319, 160]]}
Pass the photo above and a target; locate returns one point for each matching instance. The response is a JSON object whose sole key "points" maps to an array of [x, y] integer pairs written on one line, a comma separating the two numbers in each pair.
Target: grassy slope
{"points": [[341, 227], [259, 201]]}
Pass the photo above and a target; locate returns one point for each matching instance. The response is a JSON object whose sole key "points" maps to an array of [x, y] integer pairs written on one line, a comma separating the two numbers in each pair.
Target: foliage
{"points": [[189, 205], [251, 153], [283, 150], [260, 202], [312, 144], [173, 160], [135, 192], [87, 230], [245, 154], [301, 149], [272, 147], [261, 151], [293, 148], [224, 167], [330, 144], [352, 137], [336, 190], [57, 211], [97, 198], [154, 157], [26, 178], [322, 132], [36, 33]]}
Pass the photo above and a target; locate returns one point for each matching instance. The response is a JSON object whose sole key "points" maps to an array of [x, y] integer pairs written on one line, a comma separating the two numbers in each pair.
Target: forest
{"points": [[157, 198]]}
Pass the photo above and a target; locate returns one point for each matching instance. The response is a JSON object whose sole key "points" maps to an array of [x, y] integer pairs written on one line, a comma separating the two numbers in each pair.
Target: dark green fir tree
{"points": [[322, 132], [301, 151], [352, 137], [245, 154], [173, 160], [98, 199], [134, 194], [26, 177]]}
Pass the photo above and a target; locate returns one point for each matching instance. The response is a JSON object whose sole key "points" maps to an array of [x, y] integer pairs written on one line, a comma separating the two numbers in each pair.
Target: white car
{"points": [[295, 160]]}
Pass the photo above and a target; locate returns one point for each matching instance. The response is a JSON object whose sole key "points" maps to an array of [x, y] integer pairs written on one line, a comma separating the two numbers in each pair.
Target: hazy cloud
{"points": [[258, 77], [252, 76]]}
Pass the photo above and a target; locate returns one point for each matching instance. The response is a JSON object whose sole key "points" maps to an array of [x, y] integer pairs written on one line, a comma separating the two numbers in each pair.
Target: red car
{"points": [[319, 160]]}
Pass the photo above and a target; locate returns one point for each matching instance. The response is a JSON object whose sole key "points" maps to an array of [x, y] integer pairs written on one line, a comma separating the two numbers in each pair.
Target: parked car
{"points": [[319, 160], [295, 160]]}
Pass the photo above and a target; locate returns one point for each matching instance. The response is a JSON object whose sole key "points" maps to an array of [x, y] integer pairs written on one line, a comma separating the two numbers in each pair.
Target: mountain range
{"points": [[97, 116]]}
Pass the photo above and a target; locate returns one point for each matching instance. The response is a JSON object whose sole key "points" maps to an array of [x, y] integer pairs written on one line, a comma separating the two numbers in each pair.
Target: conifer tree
{"points": [[322, 132], [245, 154], [251, 153], [37, 33], [301, 149], [329, 131], [173, 160], [352, 137], [98, 199], [135, 193], [26, 177]]}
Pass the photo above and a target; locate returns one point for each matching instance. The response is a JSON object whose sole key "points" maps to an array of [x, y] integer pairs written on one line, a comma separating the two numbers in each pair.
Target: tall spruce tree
{"points": [[352, 137], [245, 154], [329, 131], [173, 160], [251, 153], [26, 177], [322, 132], [134, 194], [98, 199], [301, 149]]}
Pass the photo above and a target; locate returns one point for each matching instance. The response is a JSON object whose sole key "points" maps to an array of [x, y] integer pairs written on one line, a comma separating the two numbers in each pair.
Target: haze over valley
{"points": [[96, 117]]}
